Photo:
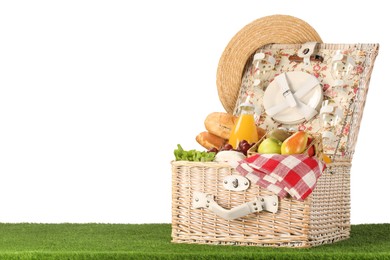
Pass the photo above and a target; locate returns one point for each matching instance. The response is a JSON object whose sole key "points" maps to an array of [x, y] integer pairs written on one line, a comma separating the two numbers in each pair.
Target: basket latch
{"points": [[236, 183], [264, 203], [306, 51]]}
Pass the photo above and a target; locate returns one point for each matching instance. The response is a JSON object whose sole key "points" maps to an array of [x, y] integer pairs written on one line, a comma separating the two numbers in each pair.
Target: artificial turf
{"points": [[152, 241]]}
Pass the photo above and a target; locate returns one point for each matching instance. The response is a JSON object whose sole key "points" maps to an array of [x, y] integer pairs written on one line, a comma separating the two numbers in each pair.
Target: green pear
{"points": [[269, 145], [279, 134]]}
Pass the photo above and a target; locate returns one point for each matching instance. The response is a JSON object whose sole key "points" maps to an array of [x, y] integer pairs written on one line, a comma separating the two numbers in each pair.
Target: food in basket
{"points": [[242, 147], [221, 124], [244, 130], [227, 147], [193, 155], [279, 134], [295, 144], [245, 127], [213, 150], [310, 148], [209, 140], [270, 145], [229, 156]]}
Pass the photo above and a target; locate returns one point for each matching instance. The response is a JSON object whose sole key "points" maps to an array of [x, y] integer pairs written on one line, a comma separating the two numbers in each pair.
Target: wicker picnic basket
{"points": [[204, 211]]}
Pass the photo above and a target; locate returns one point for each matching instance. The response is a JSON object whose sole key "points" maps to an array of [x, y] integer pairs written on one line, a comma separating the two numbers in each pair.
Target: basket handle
{"points": [[267, 203]]}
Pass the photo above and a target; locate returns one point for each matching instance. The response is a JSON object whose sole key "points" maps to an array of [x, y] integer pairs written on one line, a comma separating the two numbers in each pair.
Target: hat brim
{"points": [[270, 29]]}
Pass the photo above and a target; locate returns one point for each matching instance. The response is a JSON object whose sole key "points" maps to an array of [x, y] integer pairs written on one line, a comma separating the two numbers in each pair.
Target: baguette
{"points": [[209, 141]]}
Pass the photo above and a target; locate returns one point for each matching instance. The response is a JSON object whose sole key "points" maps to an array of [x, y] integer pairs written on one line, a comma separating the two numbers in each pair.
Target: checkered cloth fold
{"points": [[296, 175]]}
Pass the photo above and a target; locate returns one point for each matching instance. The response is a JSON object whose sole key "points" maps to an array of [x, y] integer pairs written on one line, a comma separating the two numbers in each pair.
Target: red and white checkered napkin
{"points": [[294, 174]]}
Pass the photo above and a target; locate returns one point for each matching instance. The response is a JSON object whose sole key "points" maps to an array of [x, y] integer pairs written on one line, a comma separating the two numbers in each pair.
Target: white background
{"points": [[95, 95]]}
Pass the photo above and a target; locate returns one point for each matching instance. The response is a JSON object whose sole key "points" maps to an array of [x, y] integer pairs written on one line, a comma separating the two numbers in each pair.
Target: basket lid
{"points": [[263, 31]]}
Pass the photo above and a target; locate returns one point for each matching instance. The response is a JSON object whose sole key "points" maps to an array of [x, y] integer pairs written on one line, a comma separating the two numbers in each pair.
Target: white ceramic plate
{"points": [[274, 95]]}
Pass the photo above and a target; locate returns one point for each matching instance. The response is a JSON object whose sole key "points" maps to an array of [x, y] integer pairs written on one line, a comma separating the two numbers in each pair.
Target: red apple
{"points": [[311, 150]]}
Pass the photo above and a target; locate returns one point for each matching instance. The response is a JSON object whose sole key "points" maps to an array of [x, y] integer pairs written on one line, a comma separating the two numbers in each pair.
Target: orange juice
{"points": [[244, 129]]}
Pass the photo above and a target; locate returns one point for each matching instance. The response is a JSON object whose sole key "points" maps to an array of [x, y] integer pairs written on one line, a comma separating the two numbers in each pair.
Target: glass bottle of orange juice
{"points": [[245, 127]]}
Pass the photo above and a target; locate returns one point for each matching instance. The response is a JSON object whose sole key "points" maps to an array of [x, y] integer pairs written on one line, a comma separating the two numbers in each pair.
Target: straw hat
{"points": [[263, 31]]}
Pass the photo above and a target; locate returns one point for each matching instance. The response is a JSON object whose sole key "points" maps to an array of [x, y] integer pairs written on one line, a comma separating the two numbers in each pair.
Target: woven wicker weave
{"points": [[266, 30], [321, 219]]}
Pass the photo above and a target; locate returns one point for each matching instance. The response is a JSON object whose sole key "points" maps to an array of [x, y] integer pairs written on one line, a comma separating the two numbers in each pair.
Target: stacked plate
{"points": [[306, 94]]}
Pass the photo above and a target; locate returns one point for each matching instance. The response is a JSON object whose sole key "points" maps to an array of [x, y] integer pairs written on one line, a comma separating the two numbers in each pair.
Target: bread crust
{"points": [[209, 141], [220, 124]]}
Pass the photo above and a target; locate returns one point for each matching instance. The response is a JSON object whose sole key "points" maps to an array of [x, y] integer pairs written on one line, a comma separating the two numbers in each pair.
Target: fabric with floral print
{"points": [[343, 89]]}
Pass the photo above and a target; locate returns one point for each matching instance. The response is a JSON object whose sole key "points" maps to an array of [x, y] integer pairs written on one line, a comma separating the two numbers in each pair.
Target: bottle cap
{"points": [[247, 103]]}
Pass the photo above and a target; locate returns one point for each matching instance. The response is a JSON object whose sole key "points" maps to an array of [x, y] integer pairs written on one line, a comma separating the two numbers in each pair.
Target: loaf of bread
{"points": [[221, 124], [208, 140]]}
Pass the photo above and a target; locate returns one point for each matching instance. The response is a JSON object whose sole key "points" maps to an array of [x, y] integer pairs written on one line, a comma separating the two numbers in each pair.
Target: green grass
{"points": [[152, 241]]}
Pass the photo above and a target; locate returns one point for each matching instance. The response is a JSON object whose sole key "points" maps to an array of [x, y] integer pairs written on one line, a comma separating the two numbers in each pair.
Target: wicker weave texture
{"points": [[330, 206], [322, 218]]}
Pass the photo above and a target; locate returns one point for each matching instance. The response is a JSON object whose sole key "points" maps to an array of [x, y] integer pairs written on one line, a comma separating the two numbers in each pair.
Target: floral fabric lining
{"points": [[348, 97]]}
